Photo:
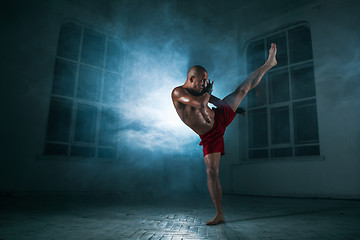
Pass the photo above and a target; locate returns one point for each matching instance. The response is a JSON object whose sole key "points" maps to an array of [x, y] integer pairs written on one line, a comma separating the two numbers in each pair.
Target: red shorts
{"points": [[213, 140]]}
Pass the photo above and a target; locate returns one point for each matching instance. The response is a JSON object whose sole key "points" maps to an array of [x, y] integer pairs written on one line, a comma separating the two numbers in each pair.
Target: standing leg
{"points": [[252, 80], [212, 162]]}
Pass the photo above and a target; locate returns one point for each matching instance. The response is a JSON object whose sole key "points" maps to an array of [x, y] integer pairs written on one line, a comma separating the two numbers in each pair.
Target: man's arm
{"points": [[214, 100], [255, 77], [180, 94]]}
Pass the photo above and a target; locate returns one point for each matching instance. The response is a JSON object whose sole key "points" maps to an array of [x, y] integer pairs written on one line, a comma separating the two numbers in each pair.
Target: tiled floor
{"points": [[64, 218]]}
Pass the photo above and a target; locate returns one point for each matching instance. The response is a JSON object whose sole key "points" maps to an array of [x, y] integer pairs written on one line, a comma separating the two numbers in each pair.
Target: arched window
{"points": [[282, 115], [83, 116]]}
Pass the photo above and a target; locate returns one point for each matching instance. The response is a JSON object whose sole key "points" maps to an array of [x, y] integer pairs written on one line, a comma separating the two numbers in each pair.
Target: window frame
{"points": [[99, 104], [269, 107]]}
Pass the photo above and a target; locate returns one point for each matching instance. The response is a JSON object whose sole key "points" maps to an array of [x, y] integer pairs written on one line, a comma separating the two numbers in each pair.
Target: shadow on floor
{"points": [[313, 212]]}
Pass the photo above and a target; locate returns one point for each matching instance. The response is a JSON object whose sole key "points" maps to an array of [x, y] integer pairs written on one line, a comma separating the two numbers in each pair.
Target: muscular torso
{"points": [[201, 120]]}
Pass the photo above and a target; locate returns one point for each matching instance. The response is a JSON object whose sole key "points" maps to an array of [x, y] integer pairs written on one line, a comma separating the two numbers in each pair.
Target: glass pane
{"points": [[281, 55], [302, 80], [69, 41], [93, 46], [281, 152], [305, 122], [56, 149], [59, 120], [114, 55], [64, 78], [279, 86], [300, 44], [307, 151], [82, 151], [111, 89], [255, 55], [280, 125], [259, 153], [257, 96], [89, 84], [258, 128], [106, 153], [109, 126], [85, 124]]}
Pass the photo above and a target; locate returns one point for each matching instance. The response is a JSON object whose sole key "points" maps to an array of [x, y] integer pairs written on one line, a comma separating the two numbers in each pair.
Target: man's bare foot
{"points": [[216, 220], [272, 56]]}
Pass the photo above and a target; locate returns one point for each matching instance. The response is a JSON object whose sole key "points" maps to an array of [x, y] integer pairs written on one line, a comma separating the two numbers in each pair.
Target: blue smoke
{"points": [[160, 50]]}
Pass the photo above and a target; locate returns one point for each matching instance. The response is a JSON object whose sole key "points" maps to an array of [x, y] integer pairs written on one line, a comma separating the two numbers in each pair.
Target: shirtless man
{"points": [[191, 103]]}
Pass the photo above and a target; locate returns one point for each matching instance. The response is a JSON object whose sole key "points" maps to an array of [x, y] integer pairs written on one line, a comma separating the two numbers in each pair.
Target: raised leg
{"points": [[212, 162], [234, 99], [218, 102]]}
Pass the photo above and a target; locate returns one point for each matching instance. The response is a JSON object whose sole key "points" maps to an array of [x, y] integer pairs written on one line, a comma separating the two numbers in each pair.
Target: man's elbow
{"points": [[202, 105]]}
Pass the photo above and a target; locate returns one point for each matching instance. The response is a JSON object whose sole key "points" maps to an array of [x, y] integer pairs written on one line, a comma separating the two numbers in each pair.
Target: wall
{"points": [[334, 174], [162, 41]]}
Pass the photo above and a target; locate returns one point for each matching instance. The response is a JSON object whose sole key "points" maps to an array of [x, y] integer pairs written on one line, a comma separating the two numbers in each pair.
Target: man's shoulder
{"points": [[178, 91], [179, 88]]}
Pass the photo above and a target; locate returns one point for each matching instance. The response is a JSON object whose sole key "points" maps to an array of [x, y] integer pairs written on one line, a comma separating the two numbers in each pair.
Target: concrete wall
{"points": [[335, 173], [29, 47], [210, 33], [157, 35]]}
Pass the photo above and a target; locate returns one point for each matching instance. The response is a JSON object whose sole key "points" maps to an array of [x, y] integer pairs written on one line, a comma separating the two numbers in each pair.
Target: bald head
{"points": [[196, 79], [196, 71]]}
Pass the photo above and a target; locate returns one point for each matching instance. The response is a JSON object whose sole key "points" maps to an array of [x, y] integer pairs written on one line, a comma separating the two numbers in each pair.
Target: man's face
{"points": [[199, 81]]}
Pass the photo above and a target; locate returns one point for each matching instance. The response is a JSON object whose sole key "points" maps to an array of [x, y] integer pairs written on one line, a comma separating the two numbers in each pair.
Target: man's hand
{"points": [[209, 86]]}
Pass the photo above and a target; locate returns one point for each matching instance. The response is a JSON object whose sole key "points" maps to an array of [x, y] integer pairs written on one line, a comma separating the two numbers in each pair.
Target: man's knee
{"points": [[212, 172], [241, 90]]}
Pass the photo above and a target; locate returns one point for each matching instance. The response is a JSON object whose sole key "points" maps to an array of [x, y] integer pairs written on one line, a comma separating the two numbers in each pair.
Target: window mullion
{"points": [[75, 103], [122, 101], [99, 115], [247, 131], [291, 119], [269, 130], [72, 126], [267, 105]]}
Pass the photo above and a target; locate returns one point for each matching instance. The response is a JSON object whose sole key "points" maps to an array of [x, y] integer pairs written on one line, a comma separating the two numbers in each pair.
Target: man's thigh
{"points": [[234, 99], [212, 160]]}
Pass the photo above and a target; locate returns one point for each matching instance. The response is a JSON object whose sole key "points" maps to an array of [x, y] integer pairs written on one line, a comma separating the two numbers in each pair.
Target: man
{"points": [[191, 103]]}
